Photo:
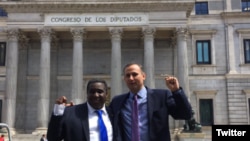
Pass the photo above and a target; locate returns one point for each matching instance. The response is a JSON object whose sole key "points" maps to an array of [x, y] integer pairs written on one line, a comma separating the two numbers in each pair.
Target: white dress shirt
{"points": [[94, 133], [93, 124]]}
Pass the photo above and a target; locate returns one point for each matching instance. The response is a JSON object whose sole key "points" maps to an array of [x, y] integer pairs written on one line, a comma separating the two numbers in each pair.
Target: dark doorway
{"points": [[206, 112]]}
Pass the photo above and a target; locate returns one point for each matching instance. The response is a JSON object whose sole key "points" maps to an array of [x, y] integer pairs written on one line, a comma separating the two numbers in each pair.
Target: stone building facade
{"points": [[54, 47]]}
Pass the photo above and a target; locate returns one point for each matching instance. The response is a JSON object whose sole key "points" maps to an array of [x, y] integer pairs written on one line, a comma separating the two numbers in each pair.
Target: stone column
{"points": [[11, 77], [149, 56], [77, 74], [21, 103], [228, 6], [182, 63], [54, 71], [116, 70], [44, 80], [177, 123], [231, 52]]}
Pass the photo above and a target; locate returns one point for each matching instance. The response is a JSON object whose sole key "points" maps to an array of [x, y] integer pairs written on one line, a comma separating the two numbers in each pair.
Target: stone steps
{"points": [[25, 137], [32, 137]]}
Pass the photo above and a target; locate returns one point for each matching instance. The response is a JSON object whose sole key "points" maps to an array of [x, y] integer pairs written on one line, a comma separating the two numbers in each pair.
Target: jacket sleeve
{"points": [[181, 108], [54, 129]]}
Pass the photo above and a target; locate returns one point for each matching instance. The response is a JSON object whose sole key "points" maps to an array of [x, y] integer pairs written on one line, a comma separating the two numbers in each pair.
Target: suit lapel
{"points": [[120, 103], [150, 99], [85, 122], [110, 114]]}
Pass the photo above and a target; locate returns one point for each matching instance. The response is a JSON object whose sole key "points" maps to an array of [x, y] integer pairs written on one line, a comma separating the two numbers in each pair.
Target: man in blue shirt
{"points": [[153, 106]]}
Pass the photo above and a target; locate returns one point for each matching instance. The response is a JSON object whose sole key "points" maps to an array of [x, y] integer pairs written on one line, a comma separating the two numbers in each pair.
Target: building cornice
{"points": [[243, 30], [228, 15], [60, 6], [212, 31]]}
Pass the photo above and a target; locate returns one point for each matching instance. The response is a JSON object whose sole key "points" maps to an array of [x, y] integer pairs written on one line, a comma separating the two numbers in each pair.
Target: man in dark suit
{"points": [[80, 122], [43, 138], [154, 107]]}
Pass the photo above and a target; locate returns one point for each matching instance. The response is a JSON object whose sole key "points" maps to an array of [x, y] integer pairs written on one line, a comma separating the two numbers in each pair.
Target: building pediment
{"points": [[81, 6]]}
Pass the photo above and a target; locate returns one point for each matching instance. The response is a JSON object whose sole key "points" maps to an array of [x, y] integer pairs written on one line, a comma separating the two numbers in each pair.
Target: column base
{"points": [[40, 131], [232, 72]]}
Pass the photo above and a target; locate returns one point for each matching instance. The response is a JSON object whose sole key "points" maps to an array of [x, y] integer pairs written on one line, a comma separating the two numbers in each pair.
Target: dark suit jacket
{"points": [[72, 126], [161, 104]]}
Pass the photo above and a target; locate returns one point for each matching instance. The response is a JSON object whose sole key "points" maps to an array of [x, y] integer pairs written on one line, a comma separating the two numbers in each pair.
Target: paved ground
{"points": [[30, 137]]}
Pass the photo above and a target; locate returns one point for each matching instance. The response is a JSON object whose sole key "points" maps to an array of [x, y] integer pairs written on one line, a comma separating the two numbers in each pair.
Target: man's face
{"points": [[97, 95], [134, 78]]}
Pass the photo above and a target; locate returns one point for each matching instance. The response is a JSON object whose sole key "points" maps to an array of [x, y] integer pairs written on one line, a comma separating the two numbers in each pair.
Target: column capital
{"points": [[13, 34], [23, 41], [116, 32], [182, 32], [229, 24], [45, 33], [78, 33], [148, 31]]}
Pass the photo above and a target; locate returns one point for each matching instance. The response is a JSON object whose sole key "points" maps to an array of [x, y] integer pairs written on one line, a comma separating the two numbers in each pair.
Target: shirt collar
{"points": [[91, 110], [142, 93]]}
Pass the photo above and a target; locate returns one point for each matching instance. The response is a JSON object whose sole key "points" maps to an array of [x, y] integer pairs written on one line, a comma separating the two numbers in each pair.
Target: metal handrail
{"points": [[8, 129]]}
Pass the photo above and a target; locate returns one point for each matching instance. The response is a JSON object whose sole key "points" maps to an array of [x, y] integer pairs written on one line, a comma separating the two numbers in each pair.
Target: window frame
{"points": [[246, 61], [3, 59], [3, 13], [242, 35], [203, 62], [245, 4], [203, 35], [199, 8], [247, 93]]}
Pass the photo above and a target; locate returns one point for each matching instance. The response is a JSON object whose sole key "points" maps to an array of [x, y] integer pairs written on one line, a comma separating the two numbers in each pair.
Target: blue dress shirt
{"points": [[143, 115]]}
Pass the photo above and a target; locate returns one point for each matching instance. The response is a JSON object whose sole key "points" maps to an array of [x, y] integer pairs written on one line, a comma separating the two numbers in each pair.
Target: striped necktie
{"points": [[102, 127]]}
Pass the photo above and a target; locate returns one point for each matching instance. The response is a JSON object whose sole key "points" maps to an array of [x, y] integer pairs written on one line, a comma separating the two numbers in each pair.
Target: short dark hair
{"points": [[92, 81], [130, 64]]}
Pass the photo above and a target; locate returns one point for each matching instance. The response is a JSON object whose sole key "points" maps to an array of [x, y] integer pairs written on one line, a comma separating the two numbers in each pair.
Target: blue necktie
{"points": [[135, 120], [102, 127]]}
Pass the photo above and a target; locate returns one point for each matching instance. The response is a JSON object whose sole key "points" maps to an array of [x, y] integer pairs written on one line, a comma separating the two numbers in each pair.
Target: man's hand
{"points": [[63, 100], [172, 83]]}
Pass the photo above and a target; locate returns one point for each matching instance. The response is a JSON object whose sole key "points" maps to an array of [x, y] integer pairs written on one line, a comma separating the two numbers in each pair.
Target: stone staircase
{"points": [[25, 137], [206, 130]]}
